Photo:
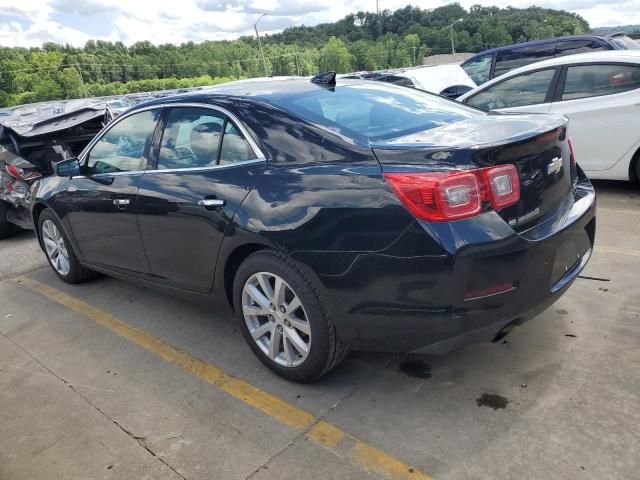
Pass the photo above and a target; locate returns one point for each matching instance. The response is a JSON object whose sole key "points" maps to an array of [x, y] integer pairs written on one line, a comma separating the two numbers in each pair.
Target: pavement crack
{"points": [[303, 434], [13, 276], [140, 440]]}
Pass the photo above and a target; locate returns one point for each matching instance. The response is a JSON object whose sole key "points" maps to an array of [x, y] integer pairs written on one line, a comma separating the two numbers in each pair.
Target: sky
{"points": [[28, 23]]}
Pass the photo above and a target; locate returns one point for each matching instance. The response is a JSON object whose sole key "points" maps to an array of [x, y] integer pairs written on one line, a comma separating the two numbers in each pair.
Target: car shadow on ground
{"points": [[617, 188]]}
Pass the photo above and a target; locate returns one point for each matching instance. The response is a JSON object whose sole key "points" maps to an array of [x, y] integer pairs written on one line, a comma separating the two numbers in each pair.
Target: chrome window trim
{"points": [[172, 170], [205, 169], [256, 150]]}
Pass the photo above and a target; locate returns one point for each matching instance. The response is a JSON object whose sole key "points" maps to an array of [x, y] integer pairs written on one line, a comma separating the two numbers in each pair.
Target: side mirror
{"points": [[67, 168]]}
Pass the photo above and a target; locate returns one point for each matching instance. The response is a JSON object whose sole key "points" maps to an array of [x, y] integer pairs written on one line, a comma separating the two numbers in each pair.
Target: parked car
{"points": [[329, 216], [498, 61], [598, 92], [449, 81]]}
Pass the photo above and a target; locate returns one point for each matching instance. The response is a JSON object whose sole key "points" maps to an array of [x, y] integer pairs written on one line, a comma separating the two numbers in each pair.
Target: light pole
{"points": [[264, 62], [414, 55], [453, 47]]}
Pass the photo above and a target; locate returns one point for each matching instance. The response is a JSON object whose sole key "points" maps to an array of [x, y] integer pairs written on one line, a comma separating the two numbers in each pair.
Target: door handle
{"points": [[121, 202], [212, 202]]}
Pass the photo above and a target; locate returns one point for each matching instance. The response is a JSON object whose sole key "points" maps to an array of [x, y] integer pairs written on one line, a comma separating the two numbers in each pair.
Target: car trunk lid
{"points": [[535, 144]]}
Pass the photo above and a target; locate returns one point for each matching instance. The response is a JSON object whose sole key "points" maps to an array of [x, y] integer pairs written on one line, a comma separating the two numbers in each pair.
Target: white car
{"points": [[599, 92], [449, 80]]}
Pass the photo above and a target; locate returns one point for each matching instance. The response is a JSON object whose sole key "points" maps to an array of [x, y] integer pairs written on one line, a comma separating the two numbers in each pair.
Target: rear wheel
{"points": [[283, 318], [59, 251], [6, 228]]}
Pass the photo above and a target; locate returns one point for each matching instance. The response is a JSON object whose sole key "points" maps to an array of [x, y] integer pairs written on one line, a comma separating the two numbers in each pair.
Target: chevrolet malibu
{"points": [[329, 217]]}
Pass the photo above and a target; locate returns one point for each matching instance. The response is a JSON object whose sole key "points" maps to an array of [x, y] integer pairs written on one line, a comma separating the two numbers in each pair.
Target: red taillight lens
{"points": [[21, 173], [438, 196], [573, 156], [502, 186], [15, 172], [445, 196]]}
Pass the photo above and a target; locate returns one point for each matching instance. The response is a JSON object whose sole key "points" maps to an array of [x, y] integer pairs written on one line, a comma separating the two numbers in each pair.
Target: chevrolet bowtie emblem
{"points": [[554, 166]]}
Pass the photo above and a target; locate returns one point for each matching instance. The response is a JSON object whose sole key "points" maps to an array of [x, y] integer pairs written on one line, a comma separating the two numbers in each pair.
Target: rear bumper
{"points": [[431, 303]]}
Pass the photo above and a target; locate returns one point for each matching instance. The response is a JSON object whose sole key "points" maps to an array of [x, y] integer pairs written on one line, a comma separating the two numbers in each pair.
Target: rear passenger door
{"points": [[205, 167], [602, 102]]}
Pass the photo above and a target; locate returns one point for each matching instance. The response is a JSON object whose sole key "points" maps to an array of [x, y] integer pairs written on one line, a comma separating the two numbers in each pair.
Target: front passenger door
{"points": [[102, 201]]}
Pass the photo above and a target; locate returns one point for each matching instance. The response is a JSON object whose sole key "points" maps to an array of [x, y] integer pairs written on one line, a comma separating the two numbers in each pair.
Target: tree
{"points": [[71, 83], [360, 41], [335, 57]]}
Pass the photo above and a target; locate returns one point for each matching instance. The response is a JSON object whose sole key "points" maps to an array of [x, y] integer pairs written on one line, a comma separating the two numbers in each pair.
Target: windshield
{"points": [[375, 111], [626, 43]]}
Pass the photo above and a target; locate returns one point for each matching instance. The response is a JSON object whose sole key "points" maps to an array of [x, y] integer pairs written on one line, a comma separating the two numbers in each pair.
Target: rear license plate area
{"points": [[569, 253]]}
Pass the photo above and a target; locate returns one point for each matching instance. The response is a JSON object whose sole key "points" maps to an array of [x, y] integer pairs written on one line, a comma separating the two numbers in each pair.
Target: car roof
{"points": [[609, 56], [260, 89], [532, 43]]}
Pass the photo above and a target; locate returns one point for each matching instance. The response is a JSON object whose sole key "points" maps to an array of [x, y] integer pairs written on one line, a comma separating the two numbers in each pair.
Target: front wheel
{"points": [[283, 318], [59, 251]]}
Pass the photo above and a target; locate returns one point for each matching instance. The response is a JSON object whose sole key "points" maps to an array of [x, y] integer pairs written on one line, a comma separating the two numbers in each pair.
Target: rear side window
{"points": [[512, 58], [527, 89], [571, 47], [375, 111], [479, 68], [191, 139], [585, 81], [199, 138], [625, 43]]}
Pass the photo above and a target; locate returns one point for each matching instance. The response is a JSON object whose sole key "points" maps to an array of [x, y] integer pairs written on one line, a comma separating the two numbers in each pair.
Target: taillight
{"points": [[503, 186], [445, 196], [21, 173], [15, 172]]}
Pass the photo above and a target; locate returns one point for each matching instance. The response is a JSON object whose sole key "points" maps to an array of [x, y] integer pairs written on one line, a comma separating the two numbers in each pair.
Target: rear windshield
{"points": [[375, 111], [626, 43]]}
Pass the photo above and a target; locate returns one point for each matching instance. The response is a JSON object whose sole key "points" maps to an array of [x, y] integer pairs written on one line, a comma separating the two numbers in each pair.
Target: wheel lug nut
{"points": [[287, 324], [272, 307], [280, 328], [271, 318], [282, 309]]}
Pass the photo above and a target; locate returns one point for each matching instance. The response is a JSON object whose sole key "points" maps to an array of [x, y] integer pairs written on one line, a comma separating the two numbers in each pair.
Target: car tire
{"points": [[287, 282], [6, 227], [61, 257]]}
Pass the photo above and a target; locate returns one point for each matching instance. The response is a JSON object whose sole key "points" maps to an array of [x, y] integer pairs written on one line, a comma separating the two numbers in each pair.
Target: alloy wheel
{"points": [[55, 247], [276, 319]]}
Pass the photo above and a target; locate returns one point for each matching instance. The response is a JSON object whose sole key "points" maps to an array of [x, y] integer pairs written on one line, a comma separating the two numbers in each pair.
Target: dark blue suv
{"points": [[495, 62]]}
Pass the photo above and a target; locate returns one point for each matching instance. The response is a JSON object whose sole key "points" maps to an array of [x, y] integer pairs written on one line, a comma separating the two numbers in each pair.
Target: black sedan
{"points": [[328, 217]]}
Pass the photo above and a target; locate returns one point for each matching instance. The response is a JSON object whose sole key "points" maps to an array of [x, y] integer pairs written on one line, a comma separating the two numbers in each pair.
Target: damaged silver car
{"points": [[32, 139]]}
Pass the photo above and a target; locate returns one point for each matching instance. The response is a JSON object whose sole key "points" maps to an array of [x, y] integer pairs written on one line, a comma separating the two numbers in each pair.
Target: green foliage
{"points": [[335, 56], [360, 41]]}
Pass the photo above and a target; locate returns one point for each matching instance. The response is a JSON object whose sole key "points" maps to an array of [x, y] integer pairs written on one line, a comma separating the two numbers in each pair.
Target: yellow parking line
{"points": [[323, 433], [618, 251]]}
